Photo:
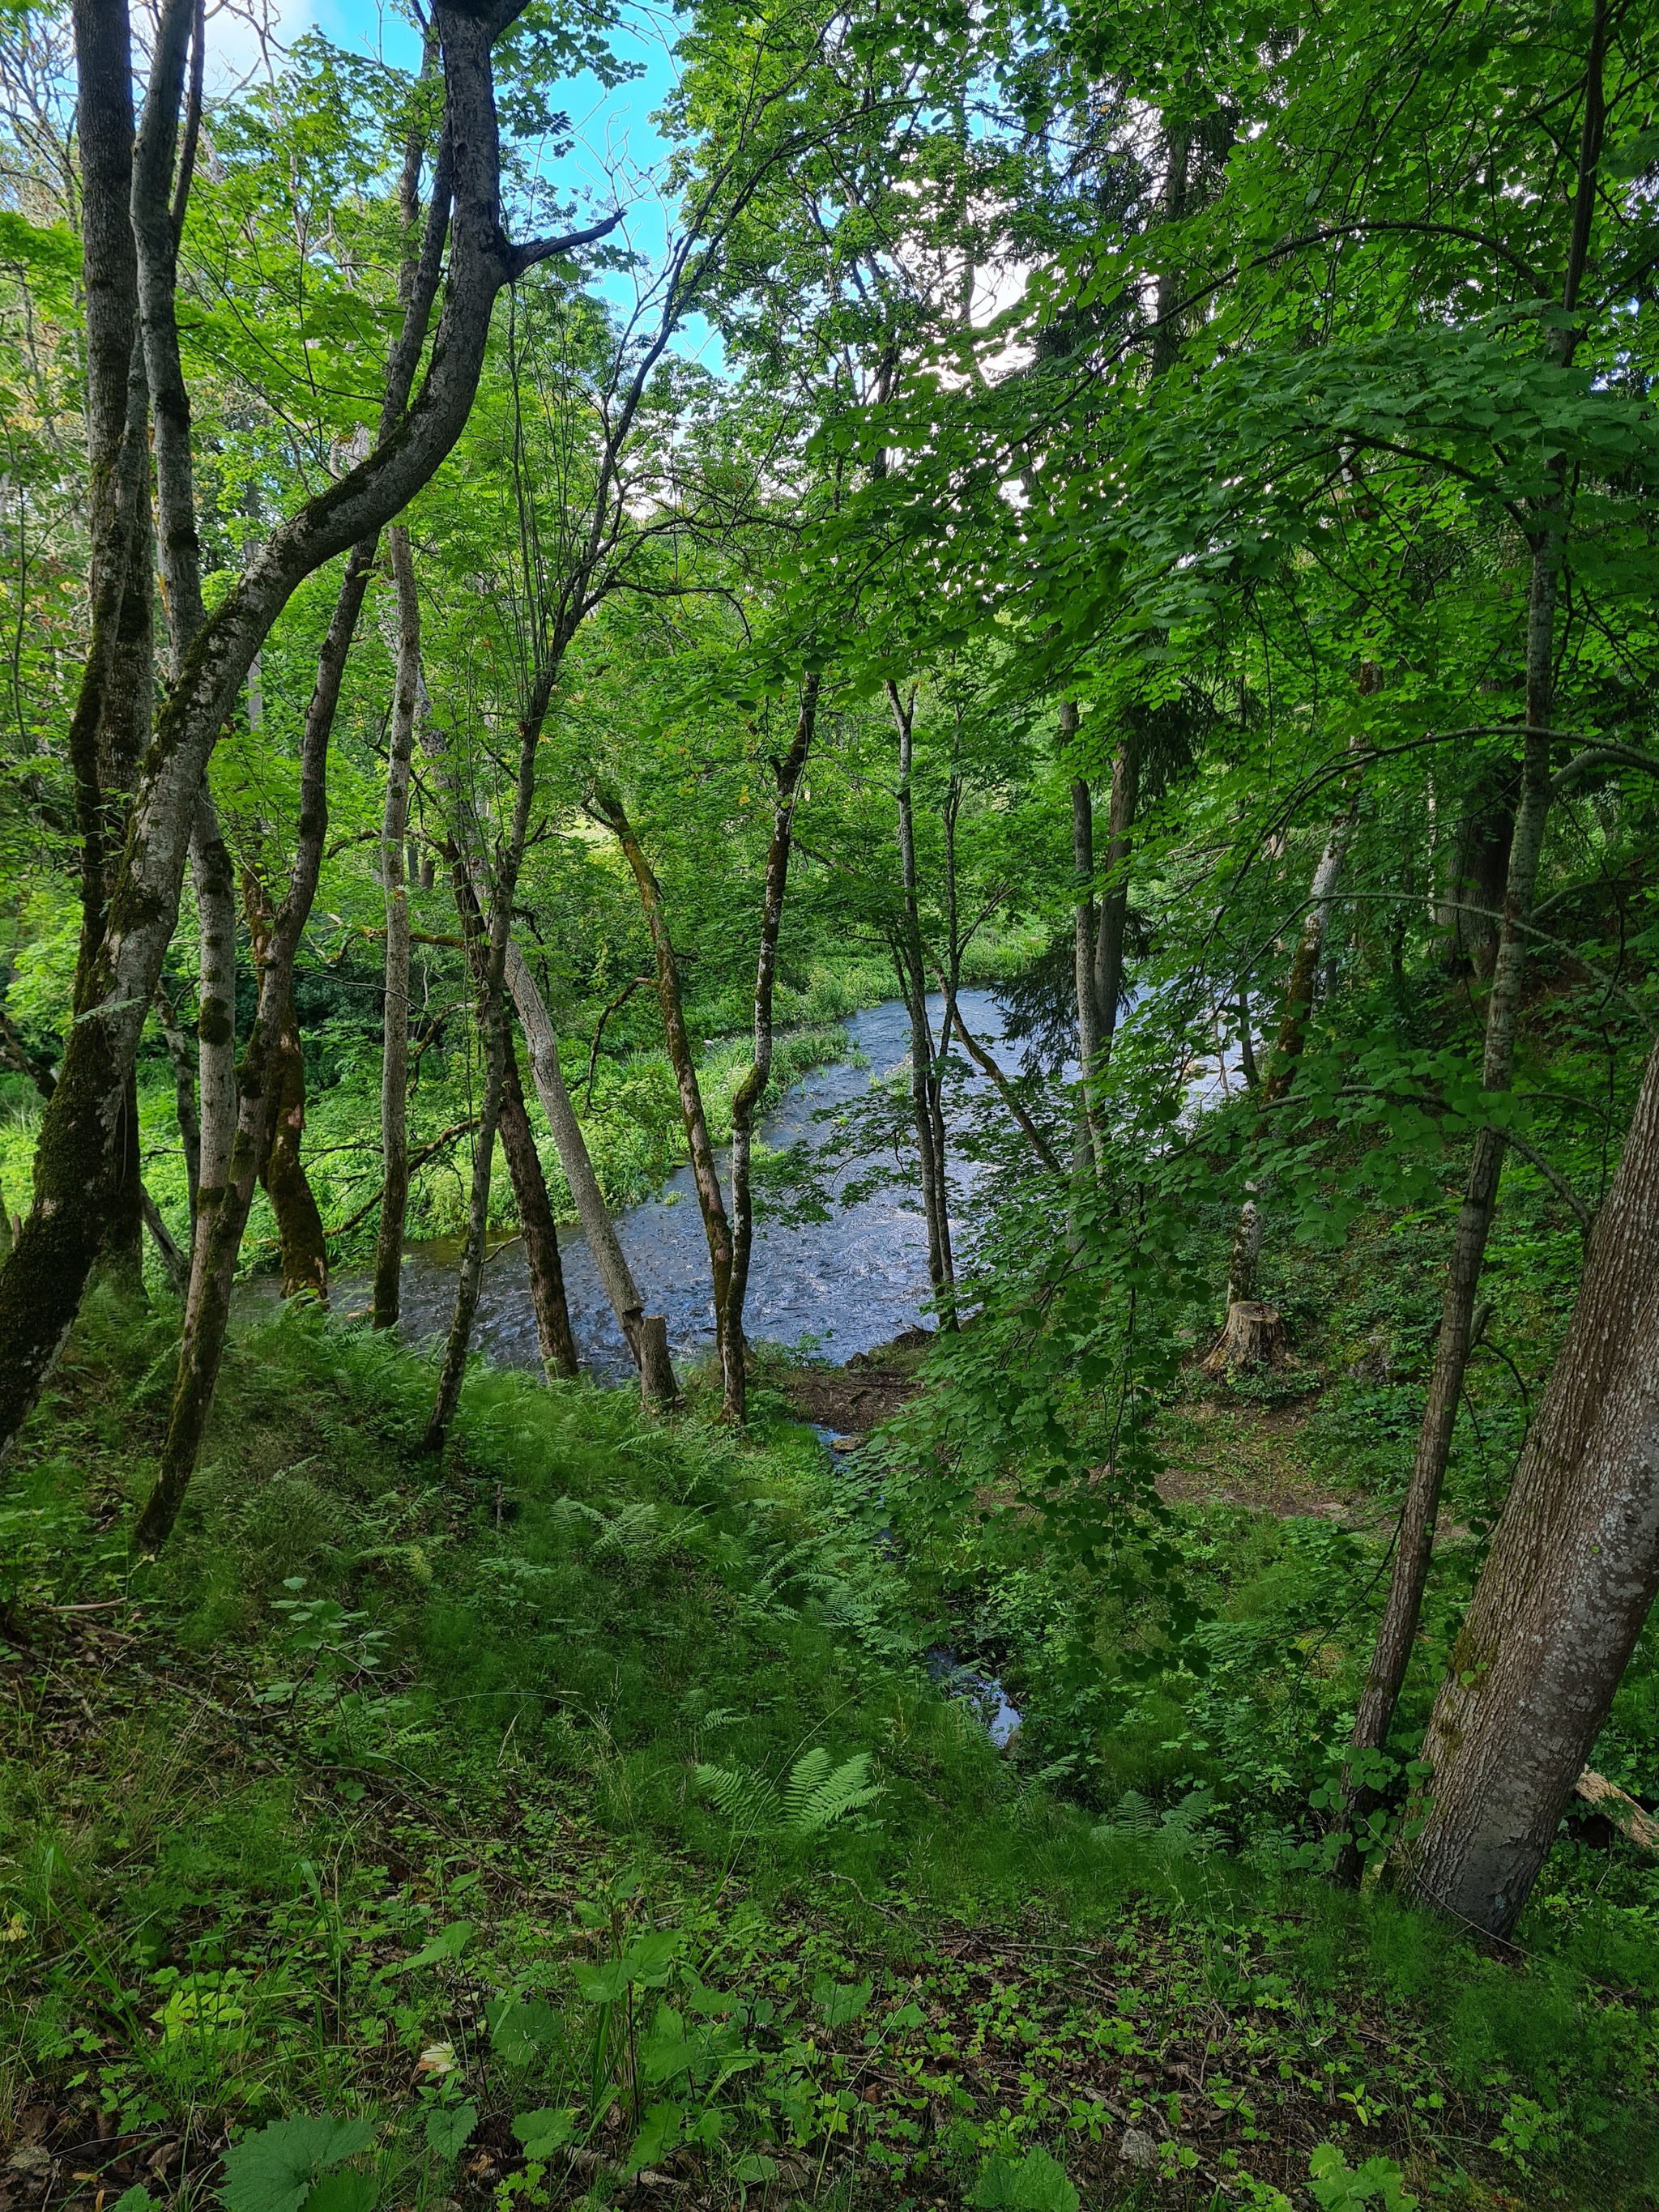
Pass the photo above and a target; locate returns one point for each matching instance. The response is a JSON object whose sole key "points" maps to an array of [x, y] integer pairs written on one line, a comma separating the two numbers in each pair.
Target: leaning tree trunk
{"points": [[394, 830], [717, 1228], [77, 1161], [302, 1248], [646, 1335], [788, 772], [490, 968], [535, 1209], [1568, 1584], [1414, 1540]]}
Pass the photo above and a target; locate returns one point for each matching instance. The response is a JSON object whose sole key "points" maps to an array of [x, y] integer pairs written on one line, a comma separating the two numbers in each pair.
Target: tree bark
{"points": [[535, 1210], [182, 1062], [78, 1157], [215, 885], [717, 1228], [541, 1234], [1414, 1542], [1568, 1585], [787, 773], [1115, 904], [394, 1067], [489, 967], [657, 1383], [910, 965]]}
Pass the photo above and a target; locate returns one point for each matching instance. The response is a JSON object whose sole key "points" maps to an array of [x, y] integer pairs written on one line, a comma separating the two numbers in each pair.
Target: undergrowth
{"points": [[575, 1816]]}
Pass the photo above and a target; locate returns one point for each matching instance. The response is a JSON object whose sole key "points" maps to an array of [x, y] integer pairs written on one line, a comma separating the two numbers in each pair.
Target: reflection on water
{"points": [[852, 1282]]}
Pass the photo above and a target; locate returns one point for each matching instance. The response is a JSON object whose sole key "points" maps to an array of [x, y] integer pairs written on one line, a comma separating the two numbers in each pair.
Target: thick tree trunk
{"points": [[717, 1228], [1568, 1585], [394, 1067], [78, 1159], [787, 773], [1414, 1542], [657, 1381]]}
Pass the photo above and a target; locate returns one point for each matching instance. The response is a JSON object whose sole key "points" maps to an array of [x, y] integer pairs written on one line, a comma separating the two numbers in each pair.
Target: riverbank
{"points": [[575, 1822]]}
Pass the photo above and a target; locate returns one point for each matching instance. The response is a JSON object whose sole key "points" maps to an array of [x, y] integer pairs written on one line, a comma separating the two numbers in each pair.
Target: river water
{"points": [[850, 1283]]}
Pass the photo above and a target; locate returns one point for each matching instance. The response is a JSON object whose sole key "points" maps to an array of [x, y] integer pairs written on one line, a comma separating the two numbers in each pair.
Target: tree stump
{"points": [[657, 1383], [1254, 1337]]}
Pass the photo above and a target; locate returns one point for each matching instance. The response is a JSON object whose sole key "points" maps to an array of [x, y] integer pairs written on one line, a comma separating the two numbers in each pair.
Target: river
{"points": [[850, 1282]]}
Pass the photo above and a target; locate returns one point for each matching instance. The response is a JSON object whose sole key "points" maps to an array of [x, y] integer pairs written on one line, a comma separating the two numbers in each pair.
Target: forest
{"points": [[829, 1105]]}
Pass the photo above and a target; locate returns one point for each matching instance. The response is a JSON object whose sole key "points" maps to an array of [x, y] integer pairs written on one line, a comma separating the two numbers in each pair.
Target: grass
{"points": [[455, 1798]]}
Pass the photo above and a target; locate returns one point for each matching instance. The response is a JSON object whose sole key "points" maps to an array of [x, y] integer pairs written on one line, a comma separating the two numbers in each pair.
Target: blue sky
{"points": [[617, 145]]}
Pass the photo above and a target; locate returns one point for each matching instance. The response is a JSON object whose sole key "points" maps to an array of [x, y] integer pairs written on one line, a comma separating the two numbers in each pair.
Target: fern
{"points": [[815, 1796], [748, 1799]]}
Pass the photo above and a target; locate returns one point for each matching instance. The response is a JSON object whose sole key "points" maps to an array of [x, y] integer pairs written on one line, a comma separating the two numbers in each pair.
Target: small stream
{"points": [[850, 1282]]}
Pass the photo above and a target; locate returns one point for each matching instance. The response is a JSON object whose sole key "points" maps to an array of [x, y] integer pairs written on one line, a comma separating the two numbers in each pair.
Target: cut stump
{"points": [[1254, 1337]]}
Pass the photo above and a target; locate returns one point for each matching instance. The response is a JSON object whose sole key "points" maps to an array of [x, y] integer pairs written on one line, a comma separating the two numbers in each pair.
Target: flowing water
{"points": [[850, 1282]]}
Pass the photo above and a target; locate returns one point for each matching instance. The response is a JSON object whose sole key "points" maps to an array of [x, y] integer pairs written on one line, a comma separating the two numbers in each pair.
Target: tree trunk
{"points": [[1254, 1337], [656, 1383], [1114, 905], [541, 1236], [1414, 1542], [788, 772], [215, 885], [1568, 1585], [302, 1249], [394, 1067], [910, 966], [469, 1280], [183, 1061], [77, 1161], [705, 1176]]}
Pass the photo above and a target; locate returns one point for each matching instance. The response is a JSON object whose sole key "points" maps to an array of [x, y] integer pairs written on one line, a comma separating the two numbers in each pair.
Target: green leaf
{"points": [[1036, 2183], [840, 2001], [544, 2132], [447, 2128], [756, 2167], [274, 2171], [449, 1943], [659, 2131], [522, 2031], [351, 2189]]}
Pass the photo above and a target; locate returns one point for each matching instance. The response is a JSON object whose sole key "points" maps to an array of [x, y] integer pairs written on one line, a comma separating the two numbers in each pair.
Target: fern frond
{"points": [[749, 1800], [816, 1794]]}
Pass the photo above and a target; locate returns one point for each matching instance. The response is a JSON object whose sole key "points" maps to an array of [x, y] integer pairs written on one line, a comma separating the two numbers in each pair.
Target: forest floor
{"points": [[509, 1811]]}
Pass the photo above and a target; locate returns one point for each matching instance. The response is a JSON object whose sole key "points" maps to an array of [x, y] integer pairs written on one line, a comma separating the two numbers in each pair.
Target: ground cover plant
{"points": [[579, 1808]]}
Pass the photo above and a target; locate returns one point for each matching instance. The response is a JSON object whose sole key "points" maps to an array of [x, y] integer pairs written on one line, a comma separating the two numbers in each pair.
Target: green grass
{"points": [[390, 1757]]}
